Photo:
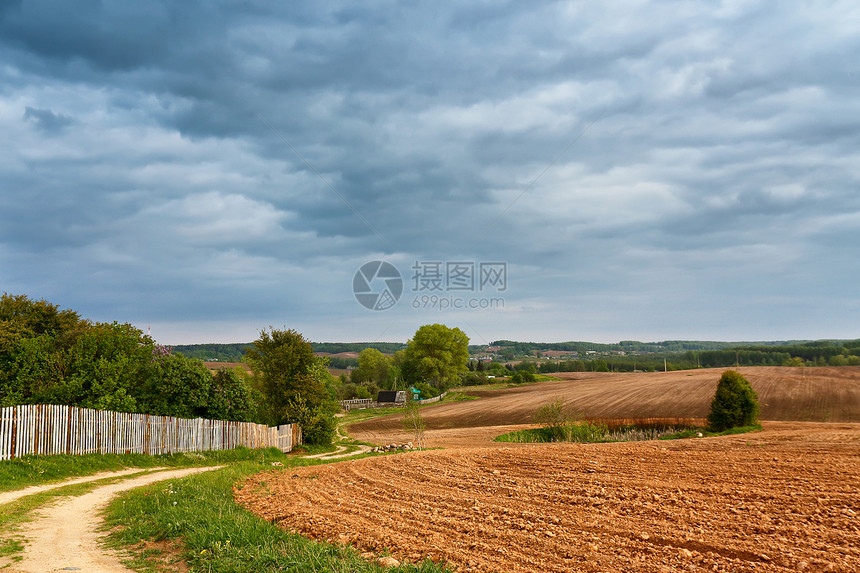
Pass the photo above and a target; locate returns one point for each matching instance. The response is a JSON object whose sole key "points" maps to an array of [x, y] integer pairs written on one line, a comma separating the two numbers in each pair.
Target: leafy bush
{"points": [[475, 379], [555, 417], [521, 376], [735, 403], [427, 391]]}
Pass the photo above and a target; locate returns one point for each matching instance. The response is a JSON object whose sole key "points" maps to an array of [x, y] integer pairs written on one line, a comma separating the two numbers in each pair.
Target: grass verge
{"points": [[39, 470], [196, 520], [704, 433]]}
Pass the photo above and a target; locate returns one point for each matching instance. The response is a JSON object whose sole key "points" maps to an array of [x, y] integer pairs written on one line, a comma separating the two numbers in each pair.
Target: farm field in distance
{"points": [[826, 394], [783, 499]]}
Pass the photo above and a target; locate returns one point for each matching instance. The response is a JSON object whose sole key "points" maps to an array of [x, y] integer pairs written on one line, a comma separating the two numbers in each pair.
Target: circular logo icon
{"points": [[377, 285]]}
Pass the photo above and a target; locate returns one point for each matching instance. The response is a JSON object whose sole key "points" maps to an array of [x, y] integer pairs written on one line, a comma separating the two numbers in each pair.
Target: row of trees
{"points": [[435, 359], [53, 356], [48, 355]]}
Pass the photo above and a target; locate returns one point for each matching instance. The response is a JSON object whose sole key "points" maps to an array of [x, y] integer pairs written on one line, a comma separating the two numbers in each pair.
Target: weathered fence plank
{"points": [[47, 429]]}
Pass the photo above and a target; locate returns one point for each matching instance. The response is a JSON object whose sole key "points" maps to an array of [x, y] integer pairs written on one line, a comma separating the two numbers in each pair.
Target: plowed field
{"points": [[803, 394], [780, 500]]}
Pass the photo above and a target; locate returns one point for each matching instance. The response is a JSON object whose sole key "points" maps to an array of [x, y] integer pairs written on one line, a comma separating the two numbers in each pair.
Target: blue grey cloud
{"points": [[47, 121], [646, 170]]}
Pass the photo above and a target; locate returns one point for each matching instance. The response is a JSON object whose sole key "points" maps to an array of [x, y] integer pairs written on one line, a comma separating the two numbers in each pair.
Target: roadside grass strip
{"points": [[27, 471], [196, 520]]}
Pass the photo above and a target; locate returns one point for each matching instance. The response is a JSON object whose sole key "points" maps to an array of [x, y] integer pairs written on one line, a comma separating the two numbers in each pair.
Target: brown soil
{"points": [[783, 499], [805, 394]]}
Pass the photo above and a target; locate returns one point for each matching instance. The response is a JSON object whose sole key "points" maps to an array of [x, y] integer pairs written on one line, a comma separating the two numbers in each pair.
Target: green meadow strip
{"points": [[196, 520], [41, 470]]}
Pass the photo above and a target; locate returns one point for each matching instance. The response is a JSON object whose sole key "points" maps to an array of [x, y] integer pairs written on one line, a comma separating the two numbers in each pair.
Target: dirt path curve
{"points": [[10, 496], [340, 452], [65, 536]]}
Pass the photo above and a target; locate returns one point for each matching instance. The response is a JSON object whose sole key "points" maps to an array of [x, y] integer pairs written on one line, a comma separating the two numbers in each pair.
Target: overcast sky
{"points": [[638, 170]]}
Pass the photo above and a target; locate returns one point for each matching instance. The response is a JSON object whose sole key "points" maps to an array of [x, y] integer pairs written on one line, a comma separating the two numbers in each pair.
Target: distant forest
{"points": [[236, 351], [677, 354], [813, 353], [522, 348]]}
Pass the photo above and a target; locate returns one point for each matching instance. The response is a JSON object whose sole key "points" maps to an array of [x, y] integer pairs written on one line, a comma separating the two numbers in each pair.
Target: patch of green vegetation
{"points": [[11, 548], [460, 397], [580, 432], [39, 470], [354, 416], [587, 432], [704, 433], [313, 449], [197, 518]]}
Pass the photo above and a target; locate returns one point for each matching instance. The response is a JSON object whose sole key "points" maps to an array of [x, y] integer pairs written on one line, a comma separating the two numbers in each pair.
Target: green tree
{"points": [[95, 365], [177, 386], [29, 330], [437, 354], [230, 397], [295, 386], [282, 361], [21, 317], [374, 369], [735, 403]]}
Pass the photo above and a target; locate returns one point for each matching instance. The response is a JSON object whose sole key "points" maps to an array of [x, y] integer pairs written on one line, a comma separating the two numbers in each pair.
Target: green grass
{"points": [[457, 396], [694, 433], [579, 432], [197, 518], [599, 432], [354, 416], [38, 470]]}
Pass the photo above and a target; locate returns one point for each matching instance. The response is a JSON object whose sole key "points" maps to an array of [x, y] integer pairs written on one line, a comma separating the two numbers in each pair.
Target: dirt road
{"points": [[780, 500], [64, 536]]}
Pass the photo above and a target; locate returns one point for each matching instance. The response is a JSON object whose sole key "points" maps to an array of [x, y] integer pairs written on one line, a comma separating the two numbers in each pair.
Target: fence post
{"points": [[68, 447], [14, 444], [36, 424]]}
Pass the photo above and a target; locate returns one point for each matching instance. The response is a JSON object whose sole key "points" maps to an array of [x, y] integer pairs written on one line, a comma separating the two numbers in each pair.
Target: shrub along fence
{"points": [[49, 430], [433, 399]]}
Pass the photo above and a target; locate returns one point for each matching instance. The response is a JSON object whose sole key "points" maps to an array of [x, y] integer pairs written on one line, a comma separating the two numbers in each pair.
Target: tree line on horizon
{"points": [[678, 355]]}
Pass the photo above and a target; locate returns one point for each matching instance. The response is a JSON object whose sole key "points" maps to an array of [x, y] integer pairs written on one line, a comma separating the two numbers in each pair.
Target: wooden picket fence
{"points": [[49, 430]]}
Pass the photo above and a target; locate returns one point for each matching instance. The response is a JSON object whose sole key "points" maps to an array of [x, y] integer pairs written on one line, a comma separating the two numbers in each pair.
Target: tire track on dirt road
{"points": [[65, 535]]}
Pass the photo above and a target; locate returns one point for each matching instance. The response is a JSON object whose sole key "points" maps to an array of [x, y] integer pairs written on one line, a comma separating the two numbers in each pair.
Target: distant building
{"points": [[391, 397]]}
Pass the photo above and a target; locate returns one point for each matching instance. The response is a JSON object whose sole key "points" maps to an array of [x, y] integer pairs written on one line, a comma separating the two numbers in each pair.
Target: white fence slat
{"points": [[49, 429]]}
